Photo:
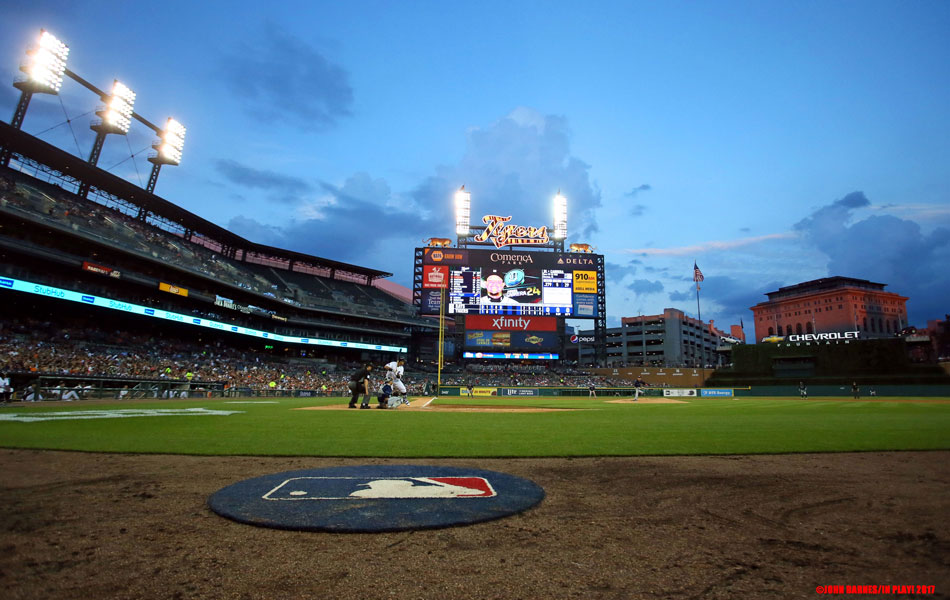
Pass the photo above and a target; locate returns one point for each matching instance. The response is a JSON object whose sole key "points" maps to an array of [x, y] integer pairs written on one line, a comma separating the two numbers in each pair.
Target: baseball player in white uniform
{"points": [[394, 371]]}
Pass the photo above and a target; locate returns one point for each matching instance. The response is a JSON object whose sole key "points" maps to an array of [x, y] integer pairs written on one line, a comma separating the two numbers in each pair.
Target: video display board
{"points": [[503, 340], [506, 282]]}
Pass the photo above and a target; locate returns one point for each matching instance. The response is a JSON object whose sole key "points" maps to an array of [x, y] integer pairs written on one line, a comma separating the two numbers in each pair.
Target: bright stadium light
{"points": [[170, 145], [45, 66], [117, 112], [463, 211], [560, 216]]}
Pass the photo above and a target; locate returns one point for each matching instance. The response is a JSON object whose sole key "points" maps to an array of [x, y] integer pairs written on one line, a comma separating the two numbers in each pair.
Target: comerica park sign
{"points": [[821, 337]]}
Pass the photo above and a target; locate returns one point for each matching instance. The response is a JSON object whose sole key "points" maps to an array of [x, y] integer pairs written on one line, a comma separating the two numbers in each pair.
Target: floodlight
{"points": [[117, 112], [463, 211], [170, 145], [45, 65], [560, 216]]}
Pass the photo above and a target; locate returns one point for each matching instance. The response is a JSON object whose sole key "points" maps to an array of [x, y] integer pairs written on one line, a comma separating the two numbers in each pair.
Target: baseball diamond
{"points": [[362, 301]]}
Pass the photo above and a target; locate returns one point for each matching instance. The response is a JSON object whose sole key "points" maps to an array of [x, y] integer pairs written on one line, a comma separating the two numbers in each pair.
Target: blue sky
{"points": [[771, 142]]}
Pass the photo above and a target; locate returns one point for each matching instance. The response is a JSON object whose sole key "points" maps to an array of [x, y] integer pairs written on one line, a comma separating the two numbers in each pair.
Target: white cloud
{"points": [[710, 246]]}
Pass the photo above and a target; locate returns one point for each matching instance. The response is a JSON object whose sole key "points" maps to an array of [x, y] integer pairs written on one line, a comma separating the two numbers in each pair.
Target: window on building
{"points": [[788, 330], [771, 332], [865, 328], [808, 328], [798, 328]]}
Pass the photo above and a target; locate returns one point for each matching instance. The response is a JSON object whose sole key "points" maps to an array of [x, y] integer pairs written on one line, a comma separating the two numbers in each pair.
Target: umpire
{"points": [[359, 385]]}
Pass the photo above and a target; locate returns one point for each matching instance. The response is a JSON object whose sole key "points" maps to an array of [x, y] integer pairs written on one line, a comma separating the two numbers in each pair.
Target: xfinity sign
{"points": [[818, 337]]}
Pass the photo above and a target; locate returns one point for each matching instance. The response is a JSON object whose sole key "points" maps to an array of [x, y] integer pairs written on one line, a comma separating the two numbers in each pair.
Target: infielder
{"points": [[394, 371]]}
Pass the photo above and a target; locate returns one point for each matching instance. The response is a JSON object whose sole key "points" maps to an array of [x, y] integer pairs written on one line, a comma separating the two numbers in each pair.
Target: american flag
{"points": [[697, 274]]}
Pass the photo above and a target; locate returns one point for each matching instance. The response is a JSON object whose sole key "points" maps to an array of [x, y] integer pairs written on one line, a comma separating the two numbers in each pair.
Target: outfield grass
{"points": [[597, 428]]}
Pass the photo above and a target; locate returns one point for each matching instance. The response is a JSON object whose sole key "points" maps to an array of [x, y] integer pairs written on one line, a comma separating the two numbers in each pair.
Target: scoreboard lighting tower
{"points": [[169, 148], [560, 217], [463, 211], [44, 69]]}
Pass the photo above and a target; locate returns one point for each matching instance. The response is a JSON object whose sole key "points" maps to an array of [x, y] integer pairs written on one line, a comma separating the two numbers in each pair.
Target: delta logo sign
{"points": [[375, 498]]}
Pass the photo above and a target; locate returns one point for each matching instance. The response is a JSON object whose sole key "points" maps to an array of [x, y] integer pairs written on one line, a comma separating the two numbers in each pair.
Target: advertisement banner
{"points": [[172, 289], [484, 391], [430, 302], [585, 305], [519, 392], [716, 393], [94, 268], [501, 340], [512, 355], [679, 393], [506, 323], [487, 339], [435, 276], [585, 282], [444, 256]]}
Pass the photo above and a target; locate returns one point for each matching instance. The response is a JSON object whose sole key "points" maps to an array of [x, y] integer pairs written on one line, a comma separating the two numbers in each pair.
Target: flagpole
{"points": [[702, 339], [697, 277]]}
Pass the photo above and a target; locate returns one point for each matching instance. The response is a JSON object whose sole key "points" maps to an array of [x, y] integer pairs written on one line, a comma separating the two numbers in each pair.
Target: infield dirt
{"points": [[83, 525]]}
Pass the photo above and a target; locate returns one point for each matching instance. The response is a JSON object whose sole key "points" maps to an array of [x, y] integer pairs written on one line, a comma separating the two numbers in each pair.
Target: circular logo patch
{"points": [[373, 498]]}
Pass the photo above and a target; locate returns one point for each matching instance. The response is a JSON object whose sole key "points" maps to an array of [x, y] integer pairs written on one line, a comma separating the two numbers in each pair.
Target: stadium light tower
{"points": [[463, 211], [43, 74], [115, 117], [560, 217], [44, 68], [169, 148]]}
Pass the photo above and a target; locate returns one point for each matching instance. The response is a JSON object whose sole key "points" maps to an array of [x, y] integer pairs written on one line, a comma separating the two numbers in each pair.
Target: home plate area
{"points": [[375, 498]]}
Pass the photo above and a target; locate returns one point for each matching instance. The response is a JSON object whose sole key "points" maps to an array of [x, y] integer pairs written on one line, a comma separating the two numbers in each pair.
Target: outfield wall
{"points": [[760, 391], [927, 391]]}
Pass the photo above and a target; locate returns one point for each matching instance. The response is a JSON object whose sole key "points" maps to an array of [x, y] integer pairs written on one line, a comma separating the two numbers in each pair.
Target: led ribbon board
{"points": [[72, 296]]}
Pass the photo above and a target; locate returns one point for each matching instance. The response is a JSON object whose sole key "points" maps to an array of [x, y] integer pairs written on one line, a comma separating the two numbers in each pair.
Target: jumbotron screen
{"points": [[505, 282]]}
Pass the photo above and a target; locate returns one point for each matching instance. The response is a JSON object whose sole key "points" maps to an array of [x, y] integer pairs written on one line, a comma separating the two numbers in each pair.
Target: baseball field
{"points": [[708, 498]]}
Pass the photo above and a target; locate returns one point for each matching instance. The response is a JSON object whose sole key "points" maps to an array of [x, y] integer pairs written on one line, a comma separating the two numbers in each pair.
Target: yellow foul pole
{"points": [[441, 337]]}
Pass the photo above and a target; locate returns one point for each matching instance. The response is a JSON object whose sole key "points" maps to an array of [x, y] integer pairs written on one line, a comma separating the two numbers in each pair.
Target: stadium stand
{"points": [[127, 245]]}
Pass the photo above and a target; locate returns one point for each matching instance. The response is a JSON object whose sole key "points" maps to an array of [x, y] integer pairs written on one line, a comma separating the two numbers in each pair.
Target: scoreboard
{"points": [[505, 282]]}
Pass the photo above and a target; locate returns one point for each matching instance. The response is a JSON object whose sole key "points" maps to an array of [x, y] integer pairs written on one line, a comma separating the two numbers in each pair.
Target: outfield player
{"points": [[394, 371], [802, 390]]}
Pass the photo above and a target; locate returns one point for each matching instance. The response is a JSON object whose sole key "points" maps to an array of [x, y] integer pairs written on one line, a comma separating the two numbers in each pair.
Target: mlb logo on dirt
{"points": [[342, 488], [375, 498]]}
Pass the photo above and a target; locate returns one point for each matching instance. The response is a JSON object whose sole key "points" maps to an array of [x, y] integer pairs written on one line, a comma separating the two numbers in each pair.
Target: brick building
{"points": [[831, 305]]}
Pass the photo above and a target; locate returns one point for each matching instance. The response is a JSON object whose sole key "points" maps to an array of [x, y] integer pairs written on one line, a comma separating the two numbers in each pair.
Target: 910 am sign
{"points": [[585, 282]]}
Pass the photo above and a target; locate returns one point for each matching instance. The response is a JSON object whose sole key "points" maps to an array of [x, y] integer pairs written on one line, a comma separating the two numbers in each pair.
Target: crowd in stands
{"points": [[32, 348], [112, 226]]}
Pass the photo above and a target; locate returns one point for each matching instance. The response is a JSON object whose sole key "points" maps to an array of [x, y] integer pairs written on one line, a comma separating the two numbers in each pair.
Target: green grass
{"points": [[706, 426]]}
